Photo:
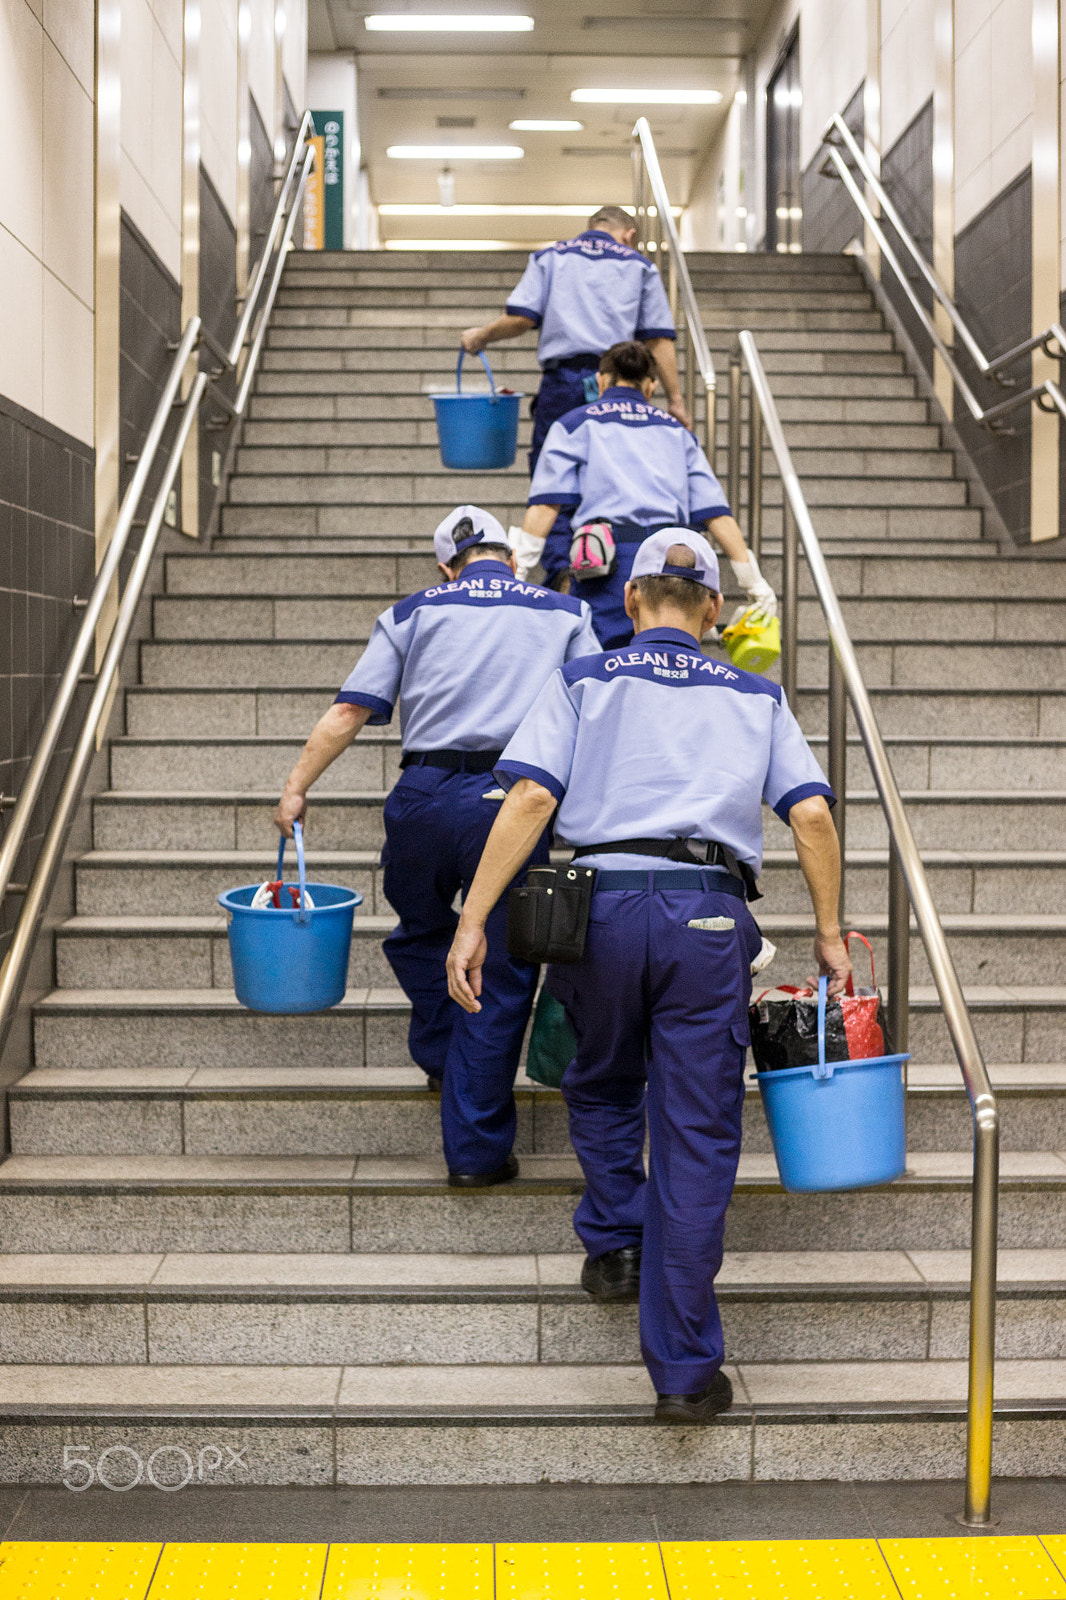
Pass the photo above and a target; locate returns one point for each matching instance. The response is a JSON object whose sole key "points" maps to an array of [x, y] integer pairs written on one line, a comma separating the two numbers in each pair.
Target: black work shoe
{"points": [[698, 1407], [485, 1180], [614, 1276], [434, 1085]]}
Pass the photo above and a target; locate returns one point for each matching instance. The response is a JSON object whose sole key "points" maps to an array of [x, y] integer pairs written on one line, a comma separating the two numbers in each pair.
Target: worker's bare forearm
{"points": [[665, 353], [818, 850], [332, 735], [538, 520], [726, 532], [522, 819], [504, 327]]}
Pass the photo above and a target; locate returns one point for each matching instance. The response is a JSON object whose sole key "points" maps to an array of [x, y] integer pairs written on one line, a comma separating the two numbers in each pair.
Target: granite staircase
{"points": [[222, 1231]]}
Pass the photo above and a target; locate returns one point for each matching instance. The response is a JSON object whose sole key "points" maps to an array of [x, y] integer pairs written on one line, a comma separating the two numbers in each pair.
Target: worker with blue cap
{"points": [[584, 295], [463, 660], [658, 759], [621, 468]]}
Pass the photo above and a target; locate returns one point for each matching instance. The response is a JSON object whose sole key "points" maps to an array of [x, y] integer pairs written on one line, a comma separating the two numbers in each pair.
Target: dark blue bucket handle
{"points": [[303, 910], [459, 373], [822, 1069]]}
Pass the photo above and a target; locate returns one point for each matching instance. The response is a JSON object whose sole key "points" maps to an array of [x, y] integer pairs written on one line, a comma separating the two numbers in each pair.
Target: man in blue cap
{"points": [[659, 759], [465, 659]]}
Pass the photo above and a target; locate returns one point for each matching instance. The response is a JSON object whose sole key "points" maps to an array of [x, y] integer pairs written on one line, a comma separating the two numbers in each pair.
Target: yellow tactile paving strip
{"points": [[988, 1568]]}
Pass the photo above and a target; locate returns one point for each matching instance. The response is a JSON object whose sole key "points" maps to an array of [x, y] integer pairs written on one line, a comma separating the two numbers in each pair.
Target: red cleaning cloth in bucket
{"points": [[784, 1024]]}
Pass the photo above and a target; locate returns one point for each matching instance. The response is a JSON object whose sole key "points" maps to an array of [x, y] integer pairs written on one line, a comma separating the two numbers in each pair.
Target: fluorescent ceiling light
{"points": [[410, 22], [405, 208], [413, 209], [457, 244], [647, 97], [455, 152], [545, 125]]}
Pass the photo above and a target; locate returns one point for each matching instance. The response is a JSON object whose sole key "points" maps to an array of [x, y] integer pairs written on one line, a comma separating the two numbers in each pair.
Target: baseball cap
{"points": [[651, 562], [464, 526]]}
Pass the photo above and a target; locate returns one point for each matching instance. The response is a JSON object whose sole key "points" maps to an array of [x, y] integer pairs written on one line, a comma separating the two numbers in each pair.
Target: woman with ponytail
{"points": [[622, 468]]}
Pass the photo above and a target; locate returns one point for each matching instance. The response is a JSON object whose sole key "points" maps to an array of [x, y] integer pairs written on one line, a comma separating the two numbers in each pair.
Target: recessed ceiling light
{"points": [[545, 125], [410, 22], [477, 209], [647, 97], [455, 152]]}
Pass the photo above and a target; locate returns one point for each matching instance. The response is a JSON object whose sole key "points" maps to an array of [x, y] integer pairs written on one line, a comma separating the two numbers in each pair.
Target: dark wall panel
{"points": [[830, 220], [993, 289], [260, 183], [907, 174], [149, 320], [218, 308], [47, 556]]}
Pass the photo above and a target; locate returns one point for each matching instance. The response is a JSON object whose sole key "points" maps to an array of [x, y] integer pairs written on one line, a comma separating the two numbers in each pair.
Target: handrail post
{"points": [[978, 1503], [690, 372], [789, 602], [733, 486], [838, 762], [754, 475], [710, 422], [899, 954]]}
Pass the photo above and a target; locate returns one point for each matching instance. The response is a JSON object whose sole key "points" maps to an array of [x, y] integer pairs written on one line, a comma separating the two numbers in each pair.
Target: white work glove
{"points": [[527, 550], [761, 598]]}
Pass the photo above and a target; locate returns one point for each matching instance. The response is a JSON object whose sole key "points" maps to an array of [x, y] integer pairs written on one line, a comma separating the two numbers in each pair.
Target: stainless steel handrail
{"points": [[49, 857], [907, 880], [1047, 395], [646, 161]]}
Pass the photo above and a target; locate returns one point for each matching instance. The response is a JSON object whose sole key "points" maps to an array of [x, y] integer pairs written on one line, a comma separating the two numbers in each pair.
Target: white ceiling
{"points": [[494, 78]]}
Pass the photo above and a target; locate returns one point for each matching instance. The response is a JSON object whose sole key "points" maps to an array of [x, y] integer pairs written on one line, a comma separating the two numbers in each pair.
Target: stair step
{"points": [[355, 1111], [837, 376], [507, 1311], [63, 1204], [364, 337]]}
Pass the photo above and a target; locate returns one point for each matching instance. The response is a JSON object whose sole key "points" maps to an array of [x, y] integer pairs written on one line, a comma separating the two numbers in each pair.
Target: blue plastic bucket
{"points": [[836, 1124], [476, 431], [296, 958]]}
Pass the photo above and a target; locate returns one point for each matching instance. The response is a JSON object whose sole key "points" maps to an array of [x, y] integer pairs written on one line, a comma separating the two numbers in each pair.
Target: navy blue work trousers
{"points": [[560, 391], [436, 825], [659, 1008]]}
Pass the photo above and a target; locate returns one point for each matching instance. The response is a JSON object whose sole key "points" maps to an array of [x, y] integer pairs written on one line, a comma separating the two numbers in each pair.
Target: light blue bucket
{"points": [[294, 958], [476, 432], [836, 1124]]}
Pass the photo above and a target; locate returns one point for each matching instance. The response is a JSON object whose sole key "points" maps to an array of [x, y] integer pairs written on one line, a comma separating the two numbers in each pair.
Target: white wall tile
{"points": [[906, 64], [70, 26], [261, 61], [20, 323], [170, 16], [68, 176], [294, 52], [164, 168], [218, 97], [20, 122], [67, 399]]}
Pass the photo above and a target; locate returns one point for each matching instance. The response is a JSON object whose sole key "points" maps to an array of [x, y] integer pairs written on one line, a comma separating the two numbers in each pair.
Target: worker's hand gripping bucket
{"points": [[290, 955], [753, 643], [477, 432], [834, 1124]]}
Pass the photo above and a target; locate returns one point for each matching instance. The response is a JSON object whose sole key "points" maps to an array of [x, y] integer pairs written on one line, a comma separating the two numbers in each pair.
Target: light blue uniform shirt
{"points": [[625, 460], [467, 659], [656, 741], [588, 293]]}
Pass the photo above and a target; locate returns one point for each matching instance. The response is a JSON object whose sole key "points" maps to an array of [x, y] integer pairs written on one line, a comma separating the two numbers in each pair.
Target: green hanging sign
{"points": [[330, 125]]}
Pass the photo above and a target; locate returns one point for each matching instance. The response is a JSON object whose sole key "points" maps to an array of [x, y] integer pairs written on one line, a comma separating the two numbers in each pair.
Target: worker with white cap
{"points": [[658, 759], [463, 660]]}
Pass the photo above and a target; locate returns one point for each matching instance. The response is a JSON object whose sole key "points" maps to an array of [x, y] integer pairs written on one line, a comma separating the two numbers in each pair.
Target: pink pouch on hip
{"points": [[592, 551]]}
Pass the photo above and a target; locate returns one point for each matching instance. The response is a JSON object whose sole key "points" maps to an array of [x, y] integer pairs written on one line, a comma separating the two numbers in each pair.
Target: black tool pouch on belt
{"points": [[548, 916]]}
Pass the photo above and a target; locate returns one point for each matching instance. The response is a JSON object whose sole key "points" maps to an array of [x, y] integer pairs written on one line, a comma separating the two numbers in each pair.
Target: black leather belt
{"points": [[583, 361], [452, 760], [693, 852]]}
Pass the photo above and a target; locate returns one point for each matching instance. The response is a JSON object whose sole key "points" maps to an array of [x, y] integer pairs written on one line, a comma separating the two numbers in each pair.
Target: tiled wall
{"points": [[830, 219], [260, 183], [907, 174], [47, 554], [993, 288]]}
